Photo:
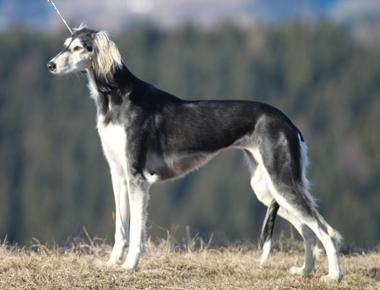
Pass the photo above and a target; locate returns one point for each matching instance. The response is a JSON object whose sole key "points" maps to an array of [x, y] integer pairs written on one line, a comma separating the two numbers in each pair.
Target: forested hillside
{"points": [[54, 179]]}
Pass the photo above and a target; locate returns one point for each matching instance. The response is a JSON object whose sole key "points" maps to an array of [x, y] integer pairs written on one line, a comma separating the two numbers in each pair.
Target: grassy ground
{"points": [[82, 266]]}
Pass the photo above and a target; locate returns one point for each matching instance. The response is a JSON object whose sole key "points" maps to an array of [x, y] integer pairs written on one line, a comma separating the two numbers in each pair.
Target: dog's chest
{"points": [[114, 142]]}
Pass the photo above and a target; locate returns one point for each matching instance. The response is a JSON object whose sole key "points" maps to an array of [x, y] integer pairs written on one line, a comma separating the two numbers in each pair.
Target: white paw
{"points": [[129, 266], [332, 278], [114, 262], [130, 263], [298, 271], [261, 262], [265, 253]]}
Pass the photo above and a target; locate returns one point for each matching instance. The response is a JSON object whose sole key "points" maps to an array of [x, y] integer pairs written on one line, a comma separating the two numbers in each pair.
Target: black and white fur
{"points": [[149, 135]]}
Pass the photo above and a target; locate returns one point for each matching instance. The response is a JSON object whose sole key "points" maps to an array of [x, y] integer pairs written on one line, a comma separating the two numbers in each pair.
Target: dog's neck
{"points": [[111, 89]]}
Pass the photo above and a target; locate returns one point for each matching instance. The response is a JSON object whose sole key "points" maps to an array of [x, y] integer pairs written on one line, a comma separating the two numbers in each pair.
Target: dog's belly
{"points": [[166, 166], [114, 141]]}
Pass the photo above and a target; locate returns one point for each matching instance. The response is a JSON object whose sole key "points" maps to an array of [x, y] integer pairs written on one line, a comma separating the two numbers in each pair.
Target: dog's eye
{"points": [[77, 48]]}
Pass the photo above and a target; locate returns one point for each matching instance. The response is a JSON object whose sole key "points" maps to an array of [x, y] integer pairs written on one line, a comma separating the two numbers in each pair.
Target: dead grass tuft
{"points": [[82, 265]]}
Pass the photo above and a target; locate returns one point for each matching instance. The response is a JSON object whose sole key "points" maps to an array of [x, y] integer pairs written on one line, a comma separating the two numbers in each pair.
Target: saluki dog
{"points": [[149, 135]]}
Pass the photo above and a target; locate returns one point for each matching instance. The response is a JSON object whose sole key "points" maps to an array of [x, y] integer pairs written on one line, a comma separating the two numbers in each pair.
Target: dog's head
{"points": [[85, 50]]}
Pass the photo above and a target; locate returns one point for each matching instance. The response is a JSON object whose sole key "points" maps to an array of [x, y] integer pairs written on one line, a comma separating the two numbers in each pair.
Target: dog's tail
{"points": [[265, 241], [268, 223], [335, 235]]}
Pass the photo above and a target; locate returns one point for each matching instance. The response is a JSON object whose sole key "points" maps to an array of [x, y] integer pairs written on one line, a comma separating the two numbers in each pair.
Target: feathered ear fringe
{"points": [[106, 54], [81, 26]]}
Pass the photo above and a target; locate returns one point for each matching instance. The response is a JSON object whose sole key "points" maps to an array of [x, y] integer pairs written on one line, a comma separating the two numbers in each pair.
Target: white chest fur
{"points": [[113, 137], [114, 142]]}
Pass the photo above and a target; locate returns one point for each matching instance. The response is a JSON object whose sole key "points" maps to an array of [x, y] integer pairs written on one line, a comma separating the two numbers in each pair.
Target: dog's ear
{"points": [[106, 54]]}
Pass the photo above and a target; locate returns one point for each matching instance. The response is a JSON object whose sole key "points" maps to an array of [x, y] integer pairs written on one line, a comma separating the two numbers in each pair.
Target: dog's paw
{"points": [[299, 271], [113, 262], [296, 270], [261, 262], [129, 267], [336, 278], [130, 264]]}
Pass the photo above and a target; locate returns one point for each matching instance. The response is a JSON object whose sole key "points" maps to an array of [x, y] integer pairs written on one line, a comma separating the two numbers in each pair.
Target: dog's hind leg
{"points": [[119, 185], [296, 201], [261, 190], [309, 241], [281, 155], [304, 231], [330, 240]]}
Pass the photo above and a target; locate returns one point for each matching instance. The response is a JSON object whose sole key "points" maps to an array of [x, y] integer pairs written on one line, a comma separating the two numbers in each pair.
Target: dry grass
{"points": [[82, 266]]}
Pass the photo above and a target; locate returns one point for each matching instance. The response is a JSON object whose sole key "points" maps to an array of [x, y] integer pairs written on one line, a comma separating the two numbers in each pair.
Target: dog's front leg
{"points": [[119, 184], [138, 192]]}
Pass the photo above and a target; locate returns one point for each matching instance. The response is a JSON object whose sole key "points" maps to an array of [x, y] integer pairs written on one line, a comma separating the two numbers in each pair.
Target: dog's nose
{"points": [[51, 66]]}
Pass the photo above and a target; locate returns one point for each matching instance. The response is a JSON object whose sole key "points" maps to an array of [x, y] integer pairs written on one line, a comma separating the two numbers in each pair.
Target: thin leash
{"points": [[60, 15]]}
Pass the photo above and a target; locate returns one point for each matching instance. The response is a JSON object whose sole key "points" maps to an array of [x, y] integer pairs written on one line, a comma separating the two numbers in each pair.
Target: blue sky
{"points": [[113, 14]]}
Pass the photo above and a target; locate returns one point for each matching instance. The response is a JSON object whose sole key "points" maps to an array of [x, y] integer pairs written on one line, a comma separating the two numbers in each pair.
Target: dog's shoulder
{"points": [[151, 99]]}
